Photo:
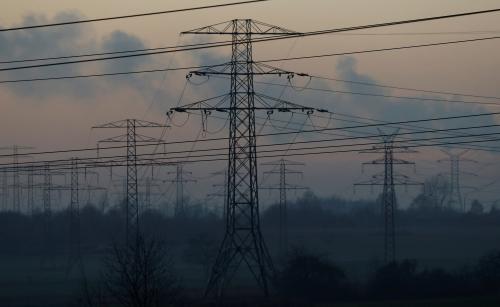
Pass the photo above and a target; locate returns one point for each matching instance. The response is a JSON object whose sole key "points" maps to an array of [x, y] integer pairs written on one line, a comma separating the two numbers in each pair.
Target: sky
{"points": [[59, 114]]}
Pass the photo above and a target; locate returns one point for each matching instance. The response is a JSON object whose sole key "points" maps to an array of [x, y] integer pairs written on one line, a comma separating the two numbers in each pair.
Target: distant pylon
{"points": [[180, 179], [389, 181], [75, 255], [455, 200], [131, 138], [223, 195], [243, 242], [283, 187], [31, 192], [5, 189], [16, 184]]}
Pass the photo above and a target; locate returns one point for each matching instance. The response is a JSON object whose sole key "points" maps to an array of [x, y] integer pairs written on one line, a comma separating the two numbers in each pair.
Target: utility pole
{"points": [[16, 184], [243, 241], [388, 180], [455, 200], [283, 187], [180, 179], [131, 138]]}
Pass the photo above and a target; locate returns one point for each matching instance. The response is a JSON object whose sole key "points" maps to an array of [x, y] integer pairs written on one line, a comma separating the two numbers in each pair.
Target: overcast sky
{"points": [[59, 114]]}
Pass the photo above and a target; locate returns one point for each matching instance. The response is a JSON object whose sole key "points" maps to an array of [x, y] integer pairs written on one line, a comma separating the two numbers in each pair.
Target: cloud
{"points": [[72, 40]]}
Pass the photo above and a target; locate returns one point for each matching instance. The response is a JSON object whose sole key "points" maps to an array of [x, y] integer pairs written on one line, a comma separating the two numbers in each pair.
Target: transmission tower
{"points": [[388, 180], [75, 252], [180, 180], [31, 192], [243, 241], [149, 183], [131, 138], [47, 187], [5, 190], [283, 187], [455, 200], [223, 193], [75, 255], [16, 183]]}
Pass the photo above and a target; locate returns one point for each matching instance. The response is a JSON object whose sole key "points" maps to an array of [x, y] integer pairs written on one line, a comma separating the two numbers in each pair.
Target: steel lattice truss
{"points": [[131, 138], [454, 199], [243, 243], [283, 187], [388, 180]]}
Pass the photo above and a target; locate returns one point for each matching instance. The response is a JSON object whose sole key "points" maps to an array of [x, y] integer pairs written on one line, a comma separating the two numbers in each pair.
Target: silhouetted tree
{"points": [[488, 272], [476, 207], [140, 275], [311, 278], [395, 280], [433, 194]]}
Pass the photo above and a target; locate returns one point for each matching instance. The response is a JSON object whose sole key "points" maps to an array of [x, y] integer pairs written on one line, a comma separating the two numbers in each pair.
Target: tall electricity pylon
{"points": [[455, 200], [283, 187], [180, 180], [16, 183], [389, 179], [131, 138], [243, 241]]}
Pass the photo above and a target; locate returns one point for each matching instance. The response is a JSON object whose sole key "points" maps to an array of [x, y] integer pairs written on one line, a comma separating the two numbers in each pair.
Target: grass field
{"points": [[24, 283]]}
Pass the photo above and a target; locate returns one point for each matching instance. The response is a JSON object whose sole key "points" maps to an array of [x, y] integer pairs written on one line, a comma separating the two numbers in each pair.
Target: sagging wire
{"points": [[204, 121], [188, 78], [170, 114], [302, 88]]}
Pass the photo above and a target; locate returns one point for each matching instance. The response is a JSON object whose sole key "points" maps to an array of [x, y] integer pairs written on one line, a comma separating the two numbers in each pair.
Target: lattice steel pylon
{"points": [[283, 187], [75, 255], [16, 183], [390, 179], [180, 179], [131, 138], [222, 194], [243, 241], [455, 200]]}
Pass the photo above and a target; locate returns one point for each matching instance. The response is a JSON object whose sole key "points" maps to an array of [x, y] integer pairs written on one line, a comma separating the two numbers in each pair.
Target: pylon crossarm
{"points": [[138, 123], [227, 28], [402, 162], [203, 105], [123, 138], [284, 105], [286, 161], [258, 69]]}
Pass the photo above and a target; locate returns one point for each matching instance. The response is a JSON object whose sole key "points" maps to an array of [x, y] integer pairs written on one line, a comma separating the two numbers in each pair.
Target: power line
{"points": [[217, 157], [128, 16], [264, 135], [308, 88], [83, 55], [404, 88], [297, 142], [273, 38], [477, 32], [63, 162], [303, 88], [382, 49], [263, 61]]}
